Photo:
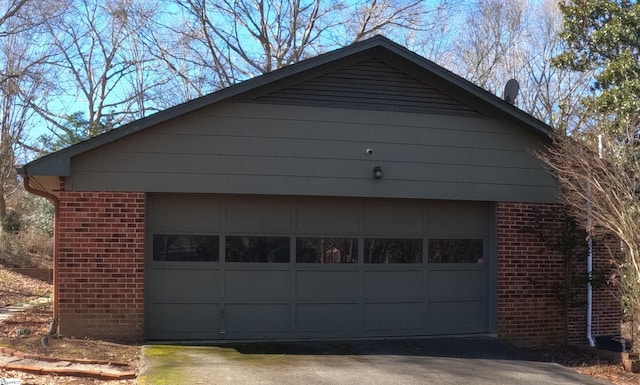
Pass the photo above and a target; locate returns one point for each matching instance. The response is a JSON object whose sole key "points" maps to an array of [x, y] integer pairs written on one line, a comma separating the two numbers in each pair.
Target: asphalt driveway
{"points": [[475, 361]]}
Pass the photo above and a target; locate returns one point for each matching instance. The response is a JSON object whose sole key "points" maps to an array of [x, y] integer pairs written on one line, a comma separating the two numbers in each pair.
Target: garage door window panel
{"points": [[326, 250], [185, 248], [456, 251], [392, 250], [257, 249]]}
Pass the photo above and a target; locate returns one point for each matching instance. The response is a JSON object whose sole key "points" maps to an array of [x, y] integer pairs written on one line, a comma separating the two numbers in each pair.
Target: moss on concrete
{"points": [[165, 364]]}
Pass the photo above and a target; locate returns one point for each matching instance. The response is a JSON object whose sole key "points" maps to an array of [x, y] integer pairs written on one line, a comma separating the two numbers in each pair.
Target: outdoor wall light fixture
{"points": [[377, 172]]}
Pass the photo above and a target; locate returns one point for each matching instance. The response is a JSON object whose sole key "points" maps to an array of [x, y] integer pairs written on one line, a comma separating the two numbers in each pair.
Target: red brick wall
{"points": [[101, 265], [533, 305]]}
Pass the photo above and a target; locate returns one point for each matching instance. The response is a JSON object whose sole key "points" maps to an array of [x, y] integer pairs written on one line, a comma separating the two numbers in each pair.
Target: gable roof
{"points": [[58, 163]]}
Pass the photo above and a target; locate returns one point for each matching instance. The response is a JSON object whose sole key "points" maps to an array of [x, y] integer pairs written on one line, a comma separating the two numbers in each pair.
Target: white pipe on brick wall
{"points": [[589, 266], [589, 287], [590, 256]]}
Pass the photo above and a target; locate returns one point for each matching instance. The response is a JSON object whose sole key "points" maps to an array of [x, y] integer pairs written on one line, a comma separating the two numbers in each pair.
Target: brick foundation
{"points": [[536, 302], [101, 265]]}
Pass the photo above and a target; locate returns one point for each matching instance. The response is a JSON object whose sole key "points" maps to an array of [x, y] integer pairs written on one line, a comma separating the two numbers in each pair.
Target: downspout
{"points": [[589, 270], [56, 215], [590, 256]]}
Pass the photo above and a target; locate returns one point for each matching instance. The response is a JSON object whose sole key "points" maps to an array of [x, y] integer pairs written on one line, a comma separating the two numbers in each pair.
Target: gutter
{"points": [[56, 234]]}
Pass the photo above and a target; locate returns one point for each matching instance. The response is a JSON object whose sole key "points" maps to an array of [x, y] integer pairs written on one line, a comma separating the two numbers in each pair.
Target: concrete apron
{"points": [[406, 362]]}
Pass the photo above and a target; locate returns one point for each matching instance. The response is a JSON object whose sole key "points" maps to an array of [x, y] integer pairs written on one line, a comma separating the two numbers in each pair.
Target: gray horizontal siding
{"points": [[305, 167], [249, 136], [261, 149], [235, 184], [369, 84]]}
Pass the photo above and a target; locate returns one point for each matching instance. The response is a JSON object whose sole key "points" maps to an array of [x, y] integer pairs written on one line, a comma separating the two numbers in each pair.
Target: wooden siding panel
{"points": [[282, 150], [246, 139], [313, 167], [313, 186], [328, 123], [192, 148], [224, 152], [369, 84]]}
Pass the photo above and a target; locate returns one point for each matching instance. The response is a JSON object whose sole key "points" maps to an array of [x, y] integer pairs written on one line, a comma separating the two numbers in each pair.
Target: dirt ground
{"points": [[37, 321], [17, 288], [590, 364], [34, 323]]}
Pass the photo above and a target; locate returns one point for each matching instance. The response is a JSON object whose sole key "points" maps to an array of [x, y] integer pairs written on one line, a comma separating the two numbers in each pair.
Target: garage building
{"points": [[366, 192]]}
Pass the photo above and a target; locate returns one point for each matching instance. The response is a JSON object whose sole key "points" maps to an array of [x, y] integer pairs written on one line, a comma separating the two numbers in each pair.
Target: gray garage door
{"points": [[223, 267]]}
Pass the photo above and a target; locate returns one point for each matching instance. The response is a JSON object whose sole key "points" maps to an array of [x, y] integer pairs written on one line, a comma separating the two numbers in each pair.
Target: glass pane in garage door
{"points": [[257, 249], [456, 251], [326, 250], [392, 250], [185, 248]]}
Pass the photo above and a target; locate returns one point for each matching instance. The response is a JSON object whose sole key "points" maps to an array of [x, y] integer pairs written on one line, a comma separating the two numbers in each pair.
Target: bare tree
{"points": [[503, 40], [14, 9], [605, 190], [22, 81], [489, 45], [144, 82], [101, 65], [228, 41], [402, 20], [218, 43], [549, 93]]}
